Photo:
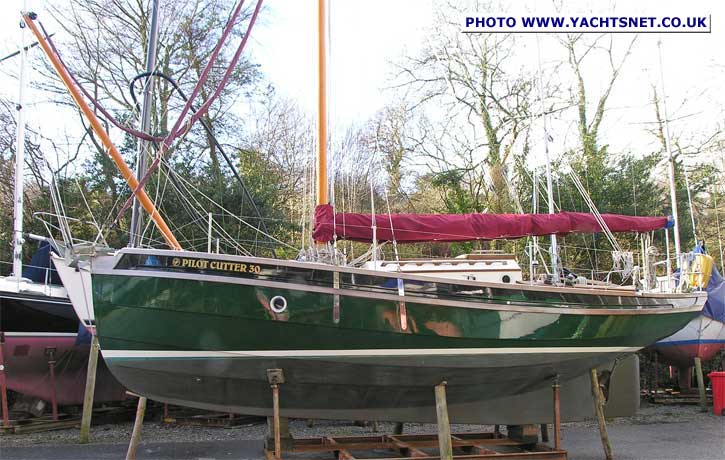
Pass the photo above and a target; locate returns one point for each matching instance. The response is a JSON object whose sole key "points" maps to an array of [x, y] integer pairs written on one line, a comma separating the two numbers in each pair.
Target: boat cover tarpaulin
{"points": [[41, 270], [418, 228], [715, 305]]}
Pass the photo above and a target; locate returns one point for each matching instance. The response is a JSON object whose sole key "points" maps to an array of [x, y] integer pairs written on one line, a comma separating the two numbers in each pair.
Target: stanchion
{"points": [[90, 390], [275, 378], [445, 444], [3, 383], [557, 414], [50, 353]]}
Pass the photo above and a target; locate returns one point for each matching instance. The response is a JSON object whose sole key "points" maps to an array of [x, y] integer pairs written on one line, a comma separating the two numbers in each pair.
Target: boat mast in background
{"points": [[554, 249], [19, 162], [142, 154], [668, 146], [145, 125], [534, 248]]}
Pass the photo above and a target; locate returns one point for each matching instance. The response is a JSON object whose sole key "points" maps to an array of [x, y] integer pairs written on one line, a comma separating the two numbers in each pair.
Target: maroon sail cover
{"points": [[418, 228]]}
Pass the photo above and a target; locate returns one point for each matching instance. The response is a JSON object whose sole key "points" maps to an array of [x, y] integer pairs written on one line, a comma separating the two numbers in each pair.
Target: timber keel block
{"points": [[528, 434]]}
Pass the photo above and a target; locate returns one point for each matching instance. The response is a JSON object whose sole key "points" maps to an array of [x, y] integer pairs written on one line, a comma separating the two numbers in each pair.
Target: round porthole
{"points": [[278, 304], [506, 279]]}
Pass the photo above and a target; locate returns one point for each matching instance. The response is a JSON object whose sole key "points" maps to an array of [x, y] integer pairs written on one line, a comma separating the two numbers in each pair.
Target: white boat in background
{"points": [[76, 275]]}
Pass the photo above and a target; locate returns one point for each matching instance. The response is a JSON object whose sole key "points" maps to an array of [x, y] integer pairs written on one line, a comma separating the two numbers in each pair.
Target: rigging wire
{"points": [[303, 210], [689, 203], [177, 130], [160, 194], [96, 104], [719, 235], [223, 209], [208, 129], [392, 230], [198, 207]]}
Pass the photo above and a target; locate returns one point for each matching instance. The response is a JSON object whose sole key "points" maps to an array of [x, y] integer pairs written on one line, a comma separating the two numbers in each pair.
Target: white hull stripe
{"points": [[41, 334], [111, 354]]}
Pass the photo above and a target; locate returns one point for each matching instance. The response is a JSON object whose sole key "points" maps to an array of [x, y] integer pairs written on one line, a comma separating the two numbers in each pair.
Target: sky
{"points": [[367, 37]]}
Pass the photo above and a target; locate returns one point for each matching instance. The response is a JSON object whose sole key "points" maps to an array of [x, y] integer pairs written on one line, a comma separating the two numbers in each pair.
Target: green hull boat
{"points": [[202, 330]]}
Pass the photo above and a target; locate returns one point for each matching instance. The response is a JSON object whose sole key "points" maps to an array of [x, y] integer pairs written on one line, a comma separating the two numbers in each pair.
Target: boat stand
{"points": [[443, 446], [50, 354]]}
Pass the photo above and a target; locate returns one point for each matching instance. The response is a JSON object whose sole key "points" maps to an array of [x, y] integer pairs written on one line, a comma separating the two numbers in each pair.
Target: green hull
{"points": [[352, 344]]}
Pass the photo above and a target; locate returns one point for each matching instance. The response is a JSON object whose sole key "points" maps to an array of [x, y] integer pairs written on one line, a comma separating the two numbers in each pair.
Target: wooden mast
{"points": [[321, 103], [103, 136]]}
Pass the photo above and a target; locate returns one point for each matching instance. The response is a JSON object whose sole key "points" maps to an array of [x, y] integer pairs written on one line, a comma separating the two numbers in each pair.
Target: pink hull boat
{"points": [[27, 369]]}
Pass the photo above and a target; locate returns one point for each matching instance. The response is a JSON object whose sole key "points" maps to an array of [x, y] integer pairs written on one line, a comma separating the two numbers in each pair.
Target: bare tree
{"points": [[591, 113], [474, 80], [106, 49], [386, 136]]}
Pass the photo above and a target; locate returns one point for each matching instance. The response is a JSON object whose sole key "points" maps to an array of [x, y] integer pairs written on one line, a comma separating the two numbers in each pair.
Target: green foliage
{"points": [[456, 198]]}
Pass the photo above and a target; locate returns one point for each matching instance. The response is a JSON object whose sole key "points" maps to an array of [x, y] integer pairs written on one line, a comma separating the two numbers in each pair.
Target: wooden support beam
{"points": [[599, 408], [700, 384], [90, 391], [412, 446], [340, 453], [444, 425], [137, 425], [526, 434], [479, 448], [406, 448], [105, 139]]}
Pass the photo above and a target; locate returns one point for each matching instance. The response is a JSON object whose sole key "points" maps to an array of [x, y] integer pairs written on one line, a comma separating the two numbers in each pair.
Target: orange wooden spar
{"points": [[103, 135], [321, 104]]}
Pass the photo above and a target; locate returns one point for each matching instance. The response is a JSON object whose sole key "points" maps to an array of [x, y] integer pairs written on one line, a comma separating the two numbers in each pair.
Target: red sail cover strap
{"points": [[418, 228]]}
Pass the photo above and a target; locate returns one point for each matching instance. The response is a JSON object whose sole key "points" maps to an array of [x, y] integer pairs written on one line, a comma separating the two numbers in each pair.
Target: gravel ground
{"points": [[154, 431]]}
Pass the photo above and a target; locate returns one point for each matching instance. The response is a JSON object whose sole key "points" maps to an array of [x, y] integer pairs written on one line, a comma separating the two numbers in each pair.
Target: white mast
{"points": [[19, 162], [550, 196], [143, 146], [534, 249], [673, 190]]}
